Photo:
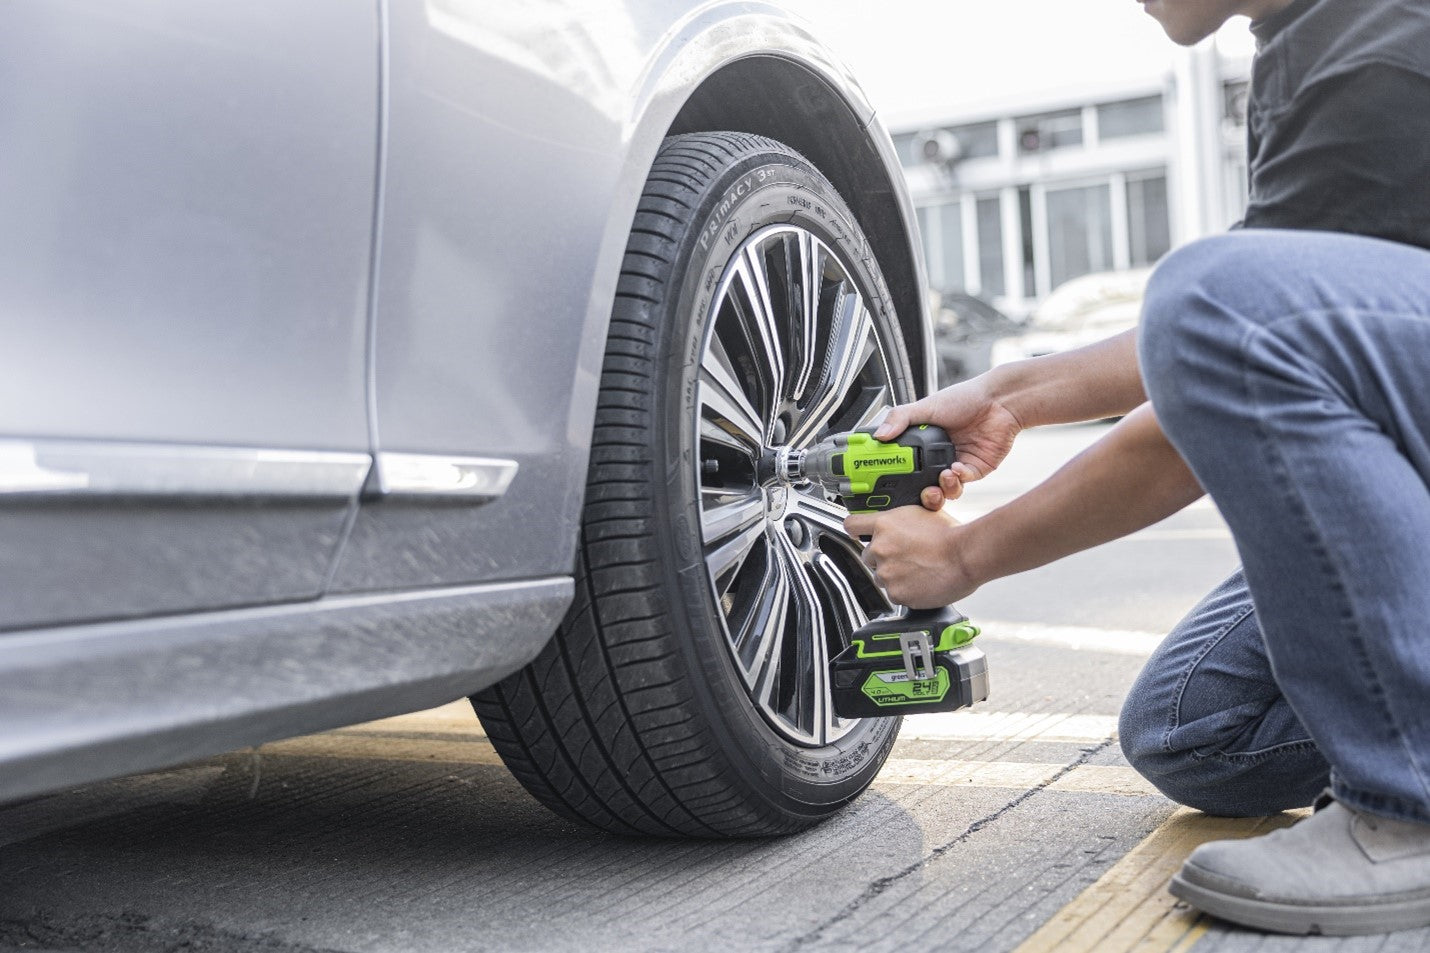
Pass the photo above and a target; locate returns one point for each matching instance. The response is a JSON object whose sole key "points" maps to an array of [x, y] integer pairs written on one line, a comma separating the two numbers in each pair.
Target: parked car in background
{"points": [[965, 328], [1079, 312], [361, 357]]}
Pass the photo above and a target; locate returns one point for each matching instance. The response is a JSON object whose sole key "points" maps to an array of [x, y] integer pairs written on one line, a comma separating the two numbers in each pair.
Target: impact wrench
{"points": [[898, 664]]}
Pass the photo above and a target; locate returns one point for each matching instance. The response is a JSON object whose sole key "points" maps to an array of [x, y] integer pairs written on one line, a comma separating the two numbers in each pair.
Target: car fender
{"points": [[493, 299]]}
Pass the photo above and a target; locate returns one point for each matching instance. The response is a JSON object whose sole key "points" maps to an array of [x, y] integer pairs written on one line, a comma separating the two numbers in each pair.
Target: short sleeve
{"points": [[1351, 154]]}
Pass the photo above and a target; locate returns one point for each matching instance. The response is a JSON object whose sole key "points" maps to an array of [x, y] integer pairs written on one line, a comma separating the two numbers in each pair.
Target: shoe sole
{"points": [[1305, 919]]}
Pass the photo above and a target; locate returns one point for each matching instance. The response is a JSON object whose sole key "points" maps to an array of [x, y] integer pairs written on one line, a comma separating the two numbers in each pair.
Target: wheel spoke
{"points": [[849, 349], [823, 701], [750, 270], [731, 438], [846, 606], [720, 520], [840, 585], [722, 558], [811, 695], [805, 321], [871, 406], [759, 639], [826, 515], [729, 410]]}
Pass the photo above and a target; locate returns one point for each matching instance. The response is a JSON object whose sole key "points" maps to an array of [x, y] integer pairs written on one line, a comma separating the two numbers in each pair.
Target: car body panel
{"points": [[506, 147], [186, 202], [160, 692], [201, 261]]}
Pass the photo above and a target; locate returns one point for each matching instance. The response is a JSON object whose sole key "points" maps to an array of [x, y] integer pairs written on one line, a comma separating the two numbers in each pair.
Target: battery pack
{"points": [[919, 663]]}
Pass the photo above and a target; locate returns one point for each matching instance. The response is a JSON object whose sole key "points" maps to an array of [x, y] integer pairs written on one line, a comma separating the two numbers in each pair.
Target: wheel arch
{"points": [[808, 114], [705, 73]]}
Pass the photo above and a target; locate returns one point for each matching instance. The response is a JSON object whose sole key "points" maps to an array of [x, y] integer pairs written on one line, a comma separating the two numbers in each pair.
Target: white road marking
{"points": [[1009, 726], [1088, 778], [1078, 638]]}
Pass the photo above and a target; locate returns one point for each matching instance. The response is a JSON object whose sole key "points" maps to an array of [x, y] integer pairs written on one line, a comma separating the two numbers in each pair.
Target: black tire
{"points": [[641, 716]]}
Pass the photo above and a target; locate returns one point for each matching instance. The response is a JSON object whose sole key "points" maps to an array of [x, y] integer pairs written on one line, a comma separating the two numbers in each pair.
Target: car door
{"points": [[186, 207]]}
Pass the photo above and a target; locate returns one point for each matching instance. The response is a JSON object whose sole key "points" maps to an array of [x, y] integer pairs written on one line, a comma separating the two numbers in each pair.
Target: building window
{"points": [[979, 140], [952, 228], [1046, 131], [1130, 117], [904, 149], [1079, 232], [1025, 219], [942, 227], [1149, 232], [991, 276]]}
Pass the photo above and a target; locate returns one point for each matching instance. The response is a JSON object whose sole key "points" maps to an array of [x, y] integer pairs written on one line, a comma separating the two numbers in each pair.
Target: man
{"points": [[1288, 370]]}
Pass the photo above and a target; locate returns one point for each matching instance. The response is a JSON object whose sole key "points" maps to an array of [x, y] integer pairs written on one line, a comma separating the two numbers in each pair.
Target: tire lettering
{"points": [[727, 204]]}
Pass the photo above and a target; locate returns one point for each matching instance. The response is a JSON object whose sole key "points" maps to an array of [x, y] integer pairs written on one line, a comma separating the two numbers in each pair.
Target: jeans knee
{"points": [[1180, 773], [1141, 740], [1213, 782], [1175, 310]]}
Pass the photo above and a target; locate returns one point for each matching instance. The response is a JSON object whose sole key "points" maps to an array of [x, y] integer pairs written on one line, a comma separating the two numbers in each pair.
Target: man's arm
{"points": [[985, 415], [1090, 383], [1131, 478]]}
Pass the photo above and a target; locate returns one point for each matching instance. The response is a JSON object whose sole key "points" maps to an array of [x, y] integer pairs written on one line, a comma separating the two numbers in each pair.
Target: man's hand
{"points": [[982, 430], [914, 555]]}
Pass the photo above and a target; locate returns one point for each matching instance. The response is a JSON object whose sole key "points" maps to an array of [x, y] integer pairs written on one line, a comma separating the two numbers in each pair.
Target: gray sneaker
{"points": [[1339, 872]]}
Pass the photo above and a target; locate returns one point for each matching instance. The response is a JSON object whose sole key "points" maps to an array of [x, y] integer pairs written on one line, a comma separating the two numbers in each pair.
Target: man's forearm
{"points": [[1092, 382], [1131, 478]]}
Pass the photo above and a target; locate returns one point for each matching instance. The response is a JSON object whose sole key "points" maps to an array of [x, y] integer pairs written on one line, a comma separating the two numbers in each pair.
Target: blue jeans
{"points": [[1292, 371]]}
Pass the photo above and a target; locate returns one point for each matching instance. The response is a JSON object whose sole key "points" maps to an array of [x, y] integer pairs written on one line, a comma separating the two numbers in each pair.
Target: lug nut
{"points": [[794, 529], [777, 435]]}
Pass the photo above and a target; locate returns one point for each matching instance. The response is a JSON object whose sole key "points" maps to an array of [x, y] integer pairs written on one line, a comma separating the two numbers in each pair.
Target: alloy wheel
{"points": [[791, 354]]}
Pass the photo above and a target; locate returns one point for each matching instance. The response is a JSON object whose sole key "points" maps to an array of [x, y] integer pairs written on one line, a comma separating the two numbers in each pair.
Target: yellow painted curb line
{"points": [[473, 748], [1128, 909]]}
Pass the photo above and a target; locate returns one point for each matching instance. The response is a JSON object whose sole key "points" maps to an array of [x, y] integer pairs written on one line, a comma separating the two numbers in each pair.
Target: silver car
{"points": [[359, 357]]}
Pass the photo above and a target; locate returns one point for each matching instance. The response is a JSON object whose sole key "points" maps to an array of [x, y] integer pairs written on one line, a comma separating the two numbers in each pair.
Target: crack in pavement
{"points": [[878, 887]]}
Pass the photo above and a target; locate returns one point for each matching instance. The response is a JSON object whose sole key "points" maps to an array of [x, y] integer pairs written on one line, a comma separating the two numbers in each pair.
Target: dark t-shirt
{"points": [[1339, 119]]}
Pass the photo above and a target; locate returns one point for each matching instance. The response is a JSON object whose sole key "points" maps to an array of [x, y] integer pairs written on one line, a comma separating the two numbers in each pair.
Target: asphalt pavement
{"points": [[1013, 827]]}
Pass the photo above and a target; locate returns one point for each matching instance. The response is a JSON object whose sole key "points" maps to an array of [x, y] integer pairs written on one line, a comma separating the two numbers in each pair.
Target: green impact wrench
{"points": [[897, 664]]}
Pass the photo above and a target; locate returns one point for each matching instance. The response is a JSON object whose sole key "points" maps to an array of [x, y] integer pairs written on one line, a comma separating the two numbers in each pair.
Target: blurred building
{"points": [[1020, 197]]}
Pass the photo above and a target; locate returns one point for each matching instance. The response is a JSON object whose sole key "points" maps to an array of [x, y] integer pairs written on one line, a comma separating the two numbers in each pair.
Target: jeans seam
{"points": [[1175, 714], [1318, 544], [1256, 757]]}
